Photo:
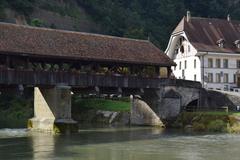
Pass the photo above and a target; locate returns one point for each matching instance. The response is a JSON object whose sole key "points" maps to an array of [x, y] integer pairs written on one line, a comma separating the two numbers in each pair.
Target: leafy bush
{"points": [[47, 67], [217, 126], [37, 23], [38, 66], [55, 67], [15, 111]]}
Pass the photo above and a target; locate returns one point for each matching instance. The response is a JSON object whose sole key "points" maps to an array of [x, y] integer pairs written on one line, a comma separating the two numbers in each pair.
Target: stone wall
{"points": [[168, 101], [171, 108]]}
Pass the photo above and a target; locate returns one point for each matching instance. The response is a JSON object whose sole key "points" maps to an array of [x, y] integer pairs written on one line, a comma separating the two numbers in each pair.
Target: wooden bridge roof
{"points": [[204, 33], [51, 43]]}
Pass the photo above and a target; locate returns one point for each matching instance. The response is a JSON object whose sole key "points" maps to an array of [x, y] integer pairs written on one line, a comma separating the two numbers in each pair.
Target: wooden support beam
{"points": [[157, 70], [8, 62]]}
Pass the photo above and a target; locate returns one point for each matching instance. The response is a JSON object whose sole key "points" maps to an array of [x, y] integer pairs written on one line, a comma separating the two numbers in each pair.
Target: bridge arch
{"points": [[192, 105], [190, 100]]}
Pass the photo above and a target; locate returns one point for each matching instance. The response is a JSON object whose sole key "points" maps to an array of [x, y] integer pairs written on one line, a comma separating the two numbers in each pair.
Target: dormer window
{"points": [[237, 43], [181, 44], [182, 49], [220, 43]]}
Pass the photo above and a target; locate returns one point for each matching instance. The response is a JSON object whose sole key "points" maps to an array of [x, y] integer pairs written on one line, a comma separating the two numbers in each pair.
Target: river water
{"points": [[118, 144]]}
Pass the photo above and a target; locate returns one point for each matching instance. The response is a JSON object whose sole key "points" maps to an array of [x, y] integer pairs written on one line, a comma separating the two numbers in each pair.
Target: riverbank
{"points": [[15, 110], [117, 104], [224, 122], [101, 111]]}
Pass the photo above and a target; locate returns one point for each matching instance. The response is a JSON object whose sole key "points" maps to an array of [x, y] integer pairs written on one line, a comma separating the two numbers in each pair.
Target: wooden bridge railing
{"points": [[25, 77]]}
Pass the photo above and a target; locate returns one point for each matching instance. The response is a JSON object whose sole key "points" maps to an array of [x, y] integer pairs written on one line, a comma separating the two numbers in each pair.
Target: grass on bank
{"points": [[209, 121], [101, 104], [216, 113]]}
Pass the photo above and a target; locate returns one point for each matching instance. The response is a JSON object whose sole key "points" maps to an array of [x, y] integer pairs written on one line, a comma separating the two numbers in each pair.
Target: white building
{"points": [[207, 50]]}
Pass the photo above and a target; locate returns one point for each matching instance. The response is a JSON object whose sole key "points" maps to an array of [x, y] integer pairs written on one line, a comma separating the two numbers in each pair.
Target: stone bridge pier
{"points": [[52, 110]]}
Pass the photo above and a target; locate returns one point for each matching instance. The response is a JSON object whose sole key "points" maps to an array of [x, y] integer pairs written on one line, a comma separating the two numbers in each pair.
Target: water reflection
{"points": [[43, 146], [120, 144]]}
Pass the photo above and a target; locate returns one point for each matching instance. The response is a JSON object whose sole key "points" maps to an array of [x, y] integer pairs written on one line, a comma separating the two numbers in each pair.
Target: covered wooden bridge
{"points": [[40, 56], [55, 62]]}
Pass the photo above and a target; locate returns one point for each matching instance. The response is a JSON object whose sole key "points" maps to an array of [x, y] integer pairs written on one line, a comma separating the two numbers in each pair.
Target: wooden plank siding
{"points": [[35, 78]]}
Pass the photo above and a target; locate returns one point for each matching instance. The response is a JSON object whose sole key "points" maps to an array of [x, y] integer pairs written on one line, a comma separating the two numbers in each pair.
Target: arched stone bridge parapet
{"points": [[187, 95], [169, 100]]}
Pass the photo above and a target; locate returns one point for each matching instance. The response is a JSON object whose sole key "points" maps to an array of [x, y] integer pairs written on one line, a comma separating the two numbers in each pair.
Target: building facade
{"points": [[207, 50]]}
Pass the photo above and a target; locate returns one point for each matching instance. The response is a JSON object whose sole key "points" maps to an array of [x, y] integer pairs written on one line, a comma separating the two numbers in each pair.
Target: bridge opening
{"points": [[192, 106]]}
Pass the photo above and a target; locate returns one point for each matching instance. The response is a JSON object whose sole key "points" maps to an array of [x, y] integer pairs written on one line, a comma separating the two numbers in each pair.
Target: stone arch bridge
{"points": [[169, 100]]}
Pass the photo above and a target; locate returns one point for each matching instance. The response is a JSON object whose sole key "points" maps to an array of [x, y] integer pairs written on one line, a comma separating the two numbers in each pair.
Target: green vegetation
{"points": [[218, 113], [15, 111], [101, 104], [100, 110], [2, 14], [24, 7], [215, 113], [140, 19], [37, 23], [217, 126], [21, 6], [199, 127], [210, 121], [155, 19], [66, 9]]}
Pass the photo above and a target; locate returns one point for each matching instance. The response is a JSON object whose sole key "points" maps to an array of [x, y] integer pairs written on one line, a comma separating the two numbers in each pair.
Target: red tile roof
{"points": [[27, 40], [203, 33]]}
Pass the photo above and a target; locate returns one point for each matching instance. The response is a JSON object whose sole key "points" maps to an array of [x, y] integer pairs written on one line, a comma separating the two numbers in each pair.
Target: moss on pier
{"points": [[101, 104]]}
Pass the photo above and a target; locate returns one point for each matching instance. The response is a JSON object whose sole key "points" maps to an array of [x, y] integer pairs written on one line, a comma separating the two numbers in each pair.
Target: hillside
{"points": [[141, 19], [44, 13]]}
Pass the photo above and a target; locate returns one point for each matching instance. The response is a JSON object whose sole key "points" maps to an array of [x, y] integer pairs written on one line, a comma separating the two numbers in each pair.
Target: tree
{"points": [[22, 6]]}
